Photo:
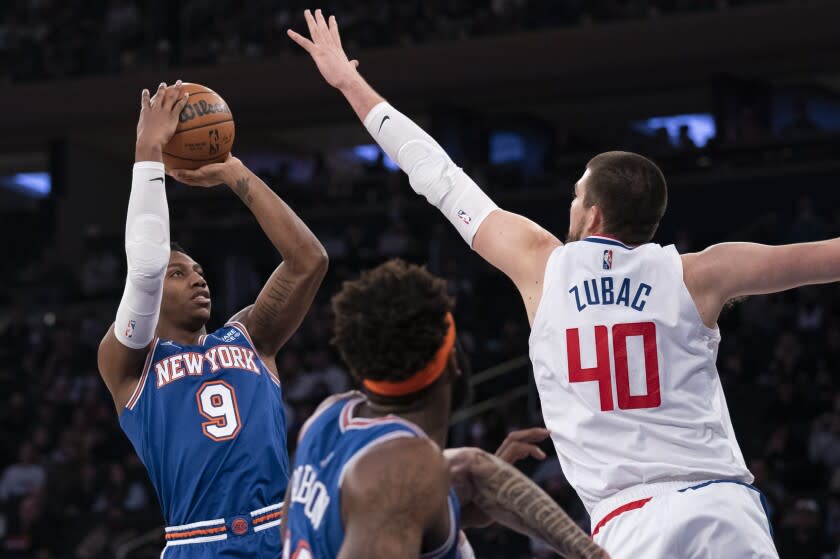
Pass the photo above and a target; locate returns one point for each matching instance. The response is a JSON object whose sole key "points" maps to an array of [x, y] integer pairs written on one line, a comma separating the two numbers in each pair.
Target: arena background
{"points": [[739, 101]]}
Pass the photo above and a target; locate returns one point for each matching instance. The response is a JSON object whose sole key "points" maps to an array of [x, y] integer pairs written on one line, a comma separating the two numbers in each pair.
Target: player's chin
{"points": [[201, 312]]}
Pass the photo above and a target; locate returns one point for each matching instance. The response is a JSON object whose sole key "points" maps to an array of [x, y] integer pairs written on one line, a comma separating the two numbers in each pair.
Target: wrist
{"points": [[353, 84], [234, 169], [147, 151]]}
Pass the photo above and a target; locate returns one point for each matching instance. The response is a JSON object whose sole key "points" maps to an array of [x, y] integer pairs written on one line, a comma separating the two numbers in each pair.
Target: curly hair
{"points": [[390, 322]]}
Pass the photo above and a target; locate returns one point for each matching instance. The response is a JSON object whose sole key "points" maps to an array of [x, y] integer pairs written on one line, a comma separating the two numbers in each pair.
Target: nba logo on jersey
{"points": [[607, 260]]}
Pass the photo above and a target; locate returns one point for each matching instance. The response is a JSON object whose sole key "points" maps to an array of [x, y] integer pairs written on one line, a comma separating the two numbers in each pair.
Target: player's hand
{"points": [[209, 175], [326, 50], [519, 444], [159, 116]]}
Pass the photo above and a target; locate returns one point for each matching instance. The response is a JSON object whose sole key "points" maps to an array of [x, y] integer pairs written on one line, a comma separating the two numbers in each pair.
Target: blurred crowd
{"points": [[72, 487], [41, 39]]}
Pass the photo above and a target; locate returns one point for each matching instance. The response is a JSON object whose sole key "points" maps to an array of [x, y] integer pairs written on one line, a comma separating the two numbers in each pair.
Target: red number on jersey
{"points": [[602, 373]]}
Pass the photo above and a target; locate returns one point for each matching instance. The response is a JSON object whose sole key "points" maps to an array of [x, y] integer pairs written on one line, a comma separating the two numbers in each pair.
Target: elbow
{"points": [[316, 261], [466, 465], [320, 259]]}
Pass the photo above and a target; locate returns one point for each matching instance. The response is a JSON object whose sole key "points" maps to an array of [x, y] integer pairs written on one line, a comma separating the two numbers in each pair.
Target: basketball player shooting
{"points": [[370, 479], [204, 411], [624, 334]]}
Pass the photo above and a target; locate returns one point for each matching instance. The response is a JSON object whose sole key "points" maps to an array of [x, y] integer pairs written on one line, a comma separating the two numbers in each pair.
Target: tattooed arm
{"points": [[286, 297], [507, 496]]}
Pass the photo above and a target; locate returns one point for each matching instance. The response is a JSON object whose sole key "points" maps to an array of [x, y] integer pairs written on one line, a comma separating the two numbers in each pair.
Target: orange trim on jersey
{"points": [[620, 510], [267, 517], [138, 390], [347, 421], [302, 546], [193, 533], [425, 376]]}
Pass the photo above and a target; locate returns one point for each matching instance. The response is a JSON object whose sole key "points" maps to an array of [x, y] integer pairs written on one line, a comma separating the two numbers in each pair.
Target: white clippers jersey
{"points": [[626, 371]]}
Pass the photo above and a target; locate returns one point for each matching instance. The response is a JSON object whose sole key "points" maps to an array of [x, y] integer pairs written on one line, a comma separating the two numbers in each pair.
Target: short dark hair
{"points": [[631, 192], [175, 247], [391, 321]]}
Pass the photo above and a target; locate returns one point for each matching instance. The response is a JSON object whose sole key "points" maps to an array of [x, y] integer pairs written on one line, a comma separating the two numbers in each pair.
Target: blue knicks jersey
{"points": [[330, 441], [208, 422]]}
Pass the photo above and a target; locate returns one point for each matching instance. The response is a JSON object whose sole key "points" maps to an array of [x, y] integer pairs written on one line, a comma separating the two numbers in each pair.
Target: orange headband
{"points": [[425, 376]]}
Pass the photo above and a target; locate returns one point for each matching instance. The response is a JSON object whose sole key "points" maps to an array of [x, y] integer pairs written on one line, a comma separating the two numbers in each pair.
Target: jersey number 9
{"points": [[217, 402]]}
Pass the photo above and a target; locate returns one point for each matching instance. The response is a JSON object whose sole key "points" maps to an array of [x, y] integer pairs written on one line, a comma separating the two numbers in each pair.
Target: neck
{"points": [[425, 412], [608, 236], [179, 335]]}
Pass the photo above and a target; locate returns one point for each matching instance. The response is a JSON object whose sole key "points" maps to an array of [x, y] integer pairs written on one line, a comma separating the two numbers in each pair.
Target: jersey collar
{"points": [[607, 240]]}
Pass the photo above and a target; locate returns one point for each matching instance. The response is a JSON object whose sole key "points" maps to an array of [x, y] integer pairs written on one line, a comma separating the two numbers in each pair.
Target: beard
{"points": [[573, 236], [575, 230]]}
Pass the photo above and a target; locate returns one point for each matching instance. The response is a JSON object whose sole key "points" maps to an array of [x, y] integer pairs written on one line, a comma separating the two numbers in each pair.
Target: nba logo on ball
{"points": [[608, 260], [239, 526]]}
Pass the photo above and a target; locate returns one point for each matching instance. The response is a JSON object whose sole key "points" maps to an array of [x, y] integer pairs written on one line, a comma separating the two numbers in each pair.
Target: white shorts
{"points": [[710, 520]]}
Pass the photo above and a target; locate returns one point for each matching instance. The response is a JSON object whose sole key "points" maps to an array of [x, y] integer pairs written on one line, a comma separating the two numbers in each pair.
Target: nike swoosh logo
{"points": [[156, 179], [383, 122], [326, 460]]}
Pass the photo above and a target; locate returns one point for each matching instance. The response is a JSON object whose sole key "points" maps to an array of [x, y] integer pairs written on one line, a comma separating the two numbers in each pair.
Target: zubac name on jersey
{"points": [[602, 291]]}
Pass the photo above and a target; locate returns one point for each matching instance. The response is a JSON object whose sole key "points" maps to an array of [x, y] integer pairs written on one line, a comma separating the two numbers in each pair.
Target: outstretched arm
{"points": [[284, 301], [725, 271], [515, 245], [122, 352], [511, 499], [392, 497]]}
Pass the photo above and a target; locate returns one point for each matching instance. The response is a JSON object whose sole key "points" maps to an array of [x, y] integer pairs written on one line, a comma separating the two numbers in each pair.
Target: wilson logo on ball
{"points": [[201, 108]]}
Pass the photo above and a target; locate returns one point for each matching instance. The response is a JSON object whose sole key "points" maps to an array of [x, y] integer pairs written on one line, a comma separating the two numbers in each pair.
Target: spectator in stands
{"points": [[25, 477]]}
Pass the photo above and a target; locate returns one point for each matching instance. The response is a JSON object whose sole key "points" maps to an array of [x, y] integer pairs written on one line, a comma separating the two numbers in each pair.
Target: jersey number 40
{"points": [[602, 371]]}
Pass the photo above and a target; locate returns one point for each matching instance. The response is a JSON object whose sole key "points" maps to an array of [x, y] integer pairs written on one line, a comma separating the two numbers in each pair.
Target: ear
{"points": [[594, 220]]}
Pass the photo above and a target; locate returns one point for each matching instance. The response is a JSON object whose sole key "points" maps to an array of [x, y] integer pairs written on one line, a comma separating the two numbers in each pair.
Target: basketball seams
{"points": [[202, 126]]}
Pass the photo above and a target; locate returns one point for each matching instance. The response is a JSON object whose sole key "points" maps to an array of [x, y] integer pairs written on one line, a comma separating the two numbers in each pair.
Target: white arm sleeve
{"points": [[430, 171], [147, 251]]}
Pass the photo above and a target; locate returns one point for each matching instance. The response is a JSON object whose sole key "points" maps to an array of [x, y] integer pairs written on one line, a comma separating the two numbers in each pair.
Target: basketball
{"points": [[205, 131]]}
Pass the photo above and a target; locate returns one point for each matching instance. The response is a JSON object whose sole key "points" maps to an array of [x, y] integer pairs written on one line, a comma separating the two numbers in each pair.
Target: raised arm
{"points": [[391, 498], [515, 245], [508, 497], [287, 295], [729, 270], [122, 352]]}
